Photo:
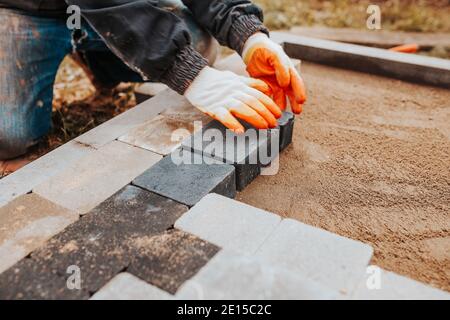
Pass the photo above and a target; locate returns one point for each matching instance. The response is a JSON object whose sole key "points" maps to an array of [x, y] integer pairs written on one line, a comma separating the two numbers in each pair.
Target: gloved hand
{"points": [[267, 61], [226, 96]]}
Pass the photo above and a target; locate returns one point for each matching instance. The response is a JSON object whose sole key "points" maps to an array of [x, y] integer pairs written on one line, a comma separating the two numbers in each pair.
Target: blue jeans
{"points": [[31, 50]]}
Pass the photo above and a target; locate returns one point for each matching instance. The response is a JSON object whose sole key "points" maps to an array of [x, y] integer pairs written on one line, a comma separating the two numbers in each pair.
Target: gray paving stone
{"points": [[164, 133], [101, 244], [40, 170], [247, 152], [167, 260], [100, 174], [409, 67], [120, 125], [231, 276], [26, 223], [188, 182], [396, 287], [332, 260], [229, 224], [286, 127], [125, 286]]}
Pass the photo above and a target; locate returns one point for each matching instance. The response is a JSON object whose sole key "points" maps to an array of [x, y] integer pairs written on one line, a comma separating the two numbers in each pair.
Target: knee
{"points": [[14, 146]]}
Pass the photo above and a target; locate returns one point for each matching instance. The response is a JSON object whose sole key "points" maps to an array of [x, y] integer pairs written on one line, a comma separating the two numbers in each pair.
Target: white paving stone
{"points": [[232, 276], [332, 260], [35, 173], [228, 223], [151, 88], [99, 175], [164, 133], [392, 286], [125, 286], [118, 126], [26, 223]]}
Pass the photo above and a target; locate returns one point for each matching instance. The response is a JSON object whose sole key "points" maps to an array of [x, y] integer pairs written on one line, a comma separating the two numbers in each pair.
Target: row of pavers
{"points": [[132, 232]]}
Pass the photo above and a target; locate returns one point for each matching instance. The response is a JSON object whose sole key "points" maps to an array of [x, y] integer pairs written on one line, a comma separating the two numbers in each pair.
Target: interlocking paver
{"points": [[395, 287], [97, 176], [118, 126], [327, 258], [125, 286], [40, 170], [164, 133], [229, 223], [169, 259], [232, 276], [101, 244], [26, 223], [286, 127], [247, 152], [187, 183]]}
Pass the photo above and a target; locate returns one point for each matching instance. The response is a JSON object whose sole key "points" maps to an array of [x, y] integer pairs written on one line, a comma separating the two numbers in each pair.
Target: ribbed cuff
{"points": [[185, 69], [242, 28]]}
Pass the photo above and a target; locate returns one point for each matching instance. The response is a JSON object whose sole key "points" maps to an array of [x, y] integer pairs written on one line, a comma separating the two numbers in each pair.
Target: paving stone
{"points": [[125, 286], [101, 244], [408, 67], [26, 223], [382, 38], [235, 277], [396, 287], [286, 127], [99, 175], [40, 170], [229, 224], [247, 152], [188, 182], [169, 259], [319, 255], [147, 90], [165, 133], [120, 125]]}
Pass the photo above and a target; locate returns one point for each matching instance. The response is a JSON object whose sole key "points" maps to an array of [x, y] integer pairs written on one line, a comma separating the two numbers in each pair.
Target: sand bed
{"points": [[371, 161]]}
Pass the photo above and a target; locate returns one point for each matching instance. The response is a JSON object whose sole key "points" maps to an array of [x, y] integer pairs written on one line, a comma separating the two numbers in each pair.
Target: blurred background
{"points": [[79, 107]]}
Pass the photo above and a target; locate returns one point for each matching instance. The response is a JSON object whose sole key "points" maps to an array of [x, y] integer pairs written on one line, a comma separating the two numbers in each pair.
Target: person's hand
{"points": [[267, 61], [226, 96]]}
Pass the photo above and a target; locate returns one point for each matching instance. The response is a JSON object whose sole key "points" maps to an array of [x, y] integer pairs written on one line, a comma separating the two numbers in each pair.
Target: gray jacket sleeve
{"points": [[231, 22], [156, 43]]}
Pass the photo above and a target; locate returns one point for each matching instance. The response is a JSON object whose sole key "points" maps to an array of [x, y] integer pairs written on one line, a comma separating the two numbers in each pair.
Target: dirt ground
{"points": [[370, 161]]}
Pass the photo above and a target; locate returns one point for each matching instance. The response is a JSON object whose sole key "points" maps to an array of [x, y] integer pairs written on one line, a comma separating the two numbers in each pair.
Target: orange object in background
{"points": [[406, 48]]}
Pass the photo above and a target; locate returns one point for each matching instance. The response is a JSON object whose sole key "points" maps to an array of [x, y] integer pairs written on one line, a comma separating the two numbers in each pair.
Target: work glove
{"points": [[267, 61], [226, 96]]}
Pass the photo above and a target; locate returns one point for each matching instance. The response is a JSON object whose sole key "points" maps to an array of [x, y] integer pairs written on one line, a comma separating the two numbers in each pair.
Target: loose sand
{"points": [[370, 161]]}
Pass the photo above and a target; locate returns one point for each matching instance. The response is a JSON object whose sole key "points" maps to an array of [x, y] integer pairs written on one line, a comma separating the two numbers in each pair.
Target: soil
{"points": [[370, 161]]}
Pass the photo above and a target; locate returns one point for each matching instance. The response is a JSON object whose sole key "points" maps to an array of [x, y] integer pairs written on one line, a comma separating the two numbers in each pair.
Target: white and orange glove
{"points": [[226, 96], [267, 61]]}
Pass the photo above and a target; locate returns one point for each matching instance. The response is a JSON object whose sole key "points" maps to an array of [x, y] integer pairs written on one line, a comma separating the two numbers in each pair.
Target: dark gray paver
{"points": [[247, 152], [189, 181], [100, 244], [167, 260], [286, 127]]}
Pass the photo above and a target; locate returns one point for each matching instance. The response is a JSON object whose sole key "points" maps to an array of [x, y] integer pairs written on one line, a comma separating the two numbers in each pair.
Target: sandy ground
{"points": [[370, 161]]}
